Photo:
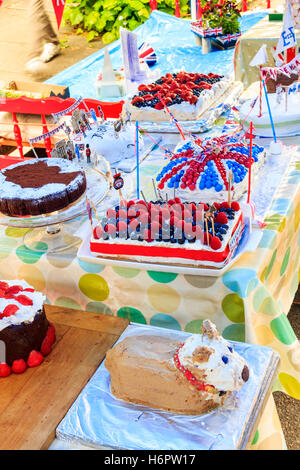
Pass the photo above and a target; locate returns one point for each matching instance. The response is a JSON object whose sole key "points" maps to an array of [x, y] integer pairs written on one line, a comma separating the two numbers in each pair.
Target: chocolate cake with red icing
{"points": [[26, 336], [40, 186]]}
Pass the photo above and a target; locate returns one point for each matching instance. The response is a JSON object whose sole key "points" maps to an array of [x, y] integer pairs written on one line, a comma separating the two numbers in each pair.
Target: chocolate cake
{"points": [[40, 186], [281, 79], [191, 378], [25, 333]]}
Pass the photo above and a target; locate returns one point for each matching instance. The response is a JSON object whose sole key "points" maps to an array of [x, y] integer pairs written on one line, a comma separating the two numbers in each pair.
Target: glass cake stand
{"points": [[55, 232]]}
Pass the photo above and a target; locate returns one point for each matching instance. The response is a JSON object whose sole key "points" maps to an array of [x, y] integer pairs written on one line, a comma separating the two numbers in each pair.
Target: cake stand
{"points": [[55, 232]]}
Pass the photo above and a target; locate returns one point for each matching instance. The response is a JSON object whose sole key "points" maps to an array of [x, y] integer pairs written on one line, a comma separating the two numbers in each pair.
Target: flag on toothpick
{"points": [[58, 6], [261, 57], [287, 38]]}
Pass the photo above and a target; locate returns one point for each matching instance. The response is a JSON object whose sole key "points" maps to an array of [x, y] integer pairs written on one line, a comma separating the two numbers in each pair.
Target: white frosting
{"points": [[223, 376], [196, 246], [103, 141], [286, 122], [25, 313], [12, 190], [183, 111]]}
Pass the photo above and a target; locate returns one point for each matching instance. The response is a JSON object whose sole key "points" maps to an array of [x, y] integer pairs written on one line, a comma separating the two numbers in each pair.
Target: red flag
{"points": [[58, 6]]}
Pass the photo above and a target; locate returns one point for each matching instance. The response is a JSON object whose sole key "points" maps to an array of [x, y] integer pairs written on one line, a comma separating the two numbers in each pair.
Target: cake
{"points": [[285, 114], [170, 233], [40, 186], [110, 139], [26, 336], [187, 96], [192, 378], [201, 171]]}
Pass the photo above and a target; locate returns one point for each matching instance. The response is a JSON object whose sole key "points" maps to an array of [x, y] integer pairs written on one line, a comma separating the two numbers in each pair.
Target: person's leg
{"points": [[43, 41], [40, 29]]}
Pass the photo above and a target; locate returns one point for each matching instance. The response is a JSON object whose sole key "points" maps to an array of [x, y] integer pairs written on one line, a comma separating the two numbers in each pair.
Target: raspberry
{"points": [[215, 243], [122, 226], [159, 106], [221, 218], [19, 366], [98, 232], [225, 205], [35, 359], [5, 370], [110, 229], [235, 206], [3, 285]]}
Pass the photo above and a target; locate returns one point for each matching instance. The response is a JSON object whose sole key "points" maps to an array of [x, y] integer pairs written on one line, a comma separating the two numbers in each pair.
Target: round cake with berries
{"points": [[186, 95], [40, 186], [25, 333], [193, 377]]}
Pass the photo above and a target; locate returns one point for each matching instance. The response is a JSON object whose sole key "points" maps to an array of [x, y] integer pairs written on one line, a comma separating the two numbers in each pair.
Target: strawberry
{"points": [[51, 334], [3, 285], [159, 106], [5, 370], [10, 310], [24, 300], [19, 366], [137, 99], [46, 346], [14, 290], [35, 359]]}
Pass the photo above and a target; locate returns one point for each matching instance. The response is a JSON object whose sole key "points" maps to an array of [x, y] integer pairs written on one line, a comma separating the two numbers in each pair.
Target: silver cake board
{"points": [[98, 419]]}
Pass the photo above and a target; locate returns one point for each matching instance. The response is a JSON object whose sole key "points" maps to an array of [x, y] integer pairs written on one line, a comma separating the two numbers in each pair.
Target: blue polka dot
{"points": [[91, 267], [268, 239], [164, 321], [280, 206], [241, 281]]}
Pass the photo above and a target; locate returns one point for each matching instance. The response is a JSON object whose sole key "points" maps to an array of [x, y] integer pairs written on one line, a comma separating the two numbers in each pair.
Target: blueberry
{"points": [[225, 359], [230, 349]]}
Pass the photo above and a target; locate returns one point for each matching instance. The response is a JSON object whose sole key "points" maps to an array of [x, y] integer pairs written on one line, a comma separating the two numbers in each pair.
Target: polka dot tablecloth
{"points": [[249, 302]]}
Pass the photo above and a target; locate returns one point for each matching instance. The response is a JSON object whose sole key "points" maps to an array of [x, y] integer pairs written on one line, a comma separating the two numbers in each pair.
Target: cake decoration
{"points": [[25, 333], [202, 171], [193, 377], [189, 233]]}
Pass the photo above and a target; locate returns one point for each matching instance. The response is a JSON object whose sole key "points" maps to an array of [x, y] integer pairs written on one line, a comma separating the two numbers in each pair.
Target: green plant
{"points": [[104, 17], [216, 14]]}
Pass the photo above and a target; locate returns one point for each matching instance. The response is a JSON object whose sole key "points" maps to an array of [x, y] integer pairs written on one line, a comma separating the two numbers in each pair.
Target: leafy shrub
{"points": [[106, 16], [216, 14]]}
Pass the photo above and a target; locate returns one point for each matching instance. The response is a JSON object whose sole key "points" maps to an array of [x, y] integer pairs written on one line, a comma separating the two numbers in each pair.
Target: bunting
{"points": [[58, 6]]}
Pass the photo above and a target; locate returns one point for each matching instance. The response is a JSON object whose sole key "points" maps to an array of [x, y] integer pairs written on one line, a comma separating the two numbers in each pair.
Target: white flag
{"points": [[261, 57], [287, 38]]}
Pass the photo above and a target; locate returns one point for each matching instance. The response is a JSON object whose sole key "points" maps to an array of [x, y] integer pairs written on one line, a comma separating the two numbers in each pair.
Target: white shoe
{"points": [[36, 67], [49, 52]]}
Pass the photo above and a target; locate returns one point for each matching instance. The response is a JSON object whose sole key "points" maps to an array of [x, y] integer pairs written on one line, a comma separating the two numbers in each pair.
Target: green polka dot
{"points": [[94, 287], [255, 439], [193, 326], [98, 307], [260, 294], [68, 303], [162, 277], [132, 314], [16, 232], [269, 307], [126, 272], [165, 321], [90, 267], [29, 256], [233, 307], [235, 332], [270, 266], [7, 245], [285, 261], [282, 329]]}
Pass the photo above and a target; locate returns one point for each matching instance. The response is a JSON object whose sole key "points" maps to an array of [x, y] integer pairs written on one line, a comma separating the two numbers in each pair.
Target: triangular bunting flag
{"points": [[58, 6], [261, 57], [287, 38]]}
